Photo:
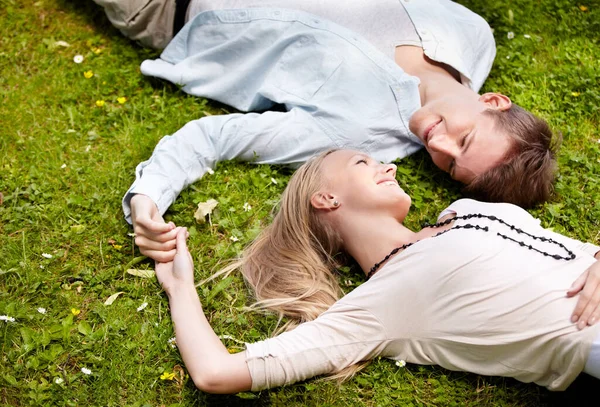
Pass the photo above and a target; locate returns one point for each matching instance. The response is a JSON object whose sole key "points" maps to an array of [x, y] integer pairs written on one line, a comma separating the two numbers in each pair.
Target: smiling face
{"points": [[460, 137], [358, 183]]}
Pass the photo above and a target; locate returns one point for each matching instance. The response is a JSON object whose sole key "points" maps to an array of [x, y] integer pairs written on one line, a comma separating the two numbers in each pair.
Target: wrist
{"points": [[181, 289]]}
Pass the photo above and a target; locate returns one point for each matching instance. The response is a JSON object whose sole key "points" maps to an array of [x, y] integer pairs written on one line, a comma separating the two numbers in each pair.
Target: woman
{"points": [[483, 290]]}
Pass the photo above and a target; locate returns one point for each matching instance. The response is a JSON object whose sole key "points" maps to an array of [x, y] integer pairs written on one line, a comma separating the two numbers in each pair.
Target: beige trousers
{"points": [[148, 21]]}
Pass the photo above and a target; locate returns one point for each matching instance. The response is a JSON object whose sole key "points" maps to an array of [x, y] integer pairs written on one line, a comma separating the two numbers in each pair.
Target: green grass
{"points": [[65, 164]]}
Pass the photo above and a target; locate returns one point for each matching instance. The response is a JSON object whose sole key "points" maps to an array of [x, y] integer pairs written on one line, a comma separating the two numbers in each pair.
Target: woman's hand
{"points": [[587, 310], [154, 237], [178, 273]]}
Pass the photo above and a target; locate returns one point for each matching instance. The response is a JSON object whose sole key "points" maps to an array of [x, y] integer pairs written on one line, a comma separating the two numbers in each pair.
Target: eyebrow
{"points": [[466, 148], [366, 157]]}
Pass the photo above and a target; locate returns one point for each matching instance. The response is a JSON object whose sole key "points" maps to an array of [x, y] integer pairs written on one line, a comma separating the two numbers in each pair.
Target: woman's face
{"points": [[362, 184]]}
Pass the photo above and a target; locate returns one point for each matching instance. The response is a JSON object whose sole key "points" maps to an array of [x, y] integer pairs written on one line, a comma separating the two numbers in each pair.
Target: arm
{"points": [[342, 336], [268, 138], [212, 368], [587, 286], [179, 160]]}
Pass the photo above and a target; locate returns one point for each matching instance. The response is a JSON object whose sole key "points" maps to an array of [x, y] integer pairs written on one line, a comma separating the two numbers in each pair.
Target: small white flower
{"points": [[41, 310], [598, 141], [210, 171], [88, 148], [46, 255], [141, 307], [400, 363], [527, 36], [274, 181], [63, 166], [42, 266], [234, 239], [247, 207], [508, 57], [78, 59], [172, 342], [59, 380], [6, 318], [85, 370], [510, 35]]}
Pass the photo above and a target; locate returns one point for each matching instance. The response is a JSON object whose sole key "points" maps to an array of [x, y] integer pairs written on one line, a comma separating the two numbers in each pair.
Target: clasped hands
{"points": [[163, 242], [166, 244]]}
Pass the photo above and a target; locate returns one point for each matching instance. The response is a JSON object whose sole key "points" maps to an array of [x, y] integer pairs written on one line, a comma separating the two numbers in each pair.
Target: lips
{"points": [[387, 180], [428, 131]]}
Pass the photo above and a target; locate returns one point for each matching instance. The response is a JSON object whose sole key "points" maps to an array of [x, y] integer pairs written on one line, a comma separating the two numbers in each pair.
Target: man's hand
{"points": [[154, 237], [178, 273], [587, 311]]}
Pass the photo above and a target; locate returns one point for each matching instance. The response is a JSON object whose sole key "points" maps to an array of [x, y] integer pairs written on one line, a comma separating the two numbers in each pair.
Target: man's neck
{"points": [[436, 78]]}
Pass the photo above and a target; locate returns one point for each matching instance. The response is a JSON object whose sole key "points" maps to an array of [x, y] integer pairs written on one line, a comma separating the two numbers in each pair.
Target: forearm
{"points": [[207, 360]]}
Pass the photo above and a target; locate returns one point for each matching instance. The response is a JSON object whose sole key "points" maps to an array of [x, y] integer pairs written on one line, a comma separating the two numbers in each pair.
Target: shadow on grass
{"points": [[94, 15]]}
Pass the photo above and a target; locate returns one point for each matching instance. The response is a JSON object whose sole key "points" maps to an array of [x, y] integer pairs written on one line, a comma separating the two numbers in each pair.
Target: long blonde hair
{"points": [[290, 266]]}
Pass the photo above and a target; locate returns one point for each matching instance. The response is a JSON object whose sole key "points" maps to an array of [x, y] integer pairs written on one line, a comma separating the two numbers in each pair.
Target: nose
{"points": [[442, 144], [390, 168]]}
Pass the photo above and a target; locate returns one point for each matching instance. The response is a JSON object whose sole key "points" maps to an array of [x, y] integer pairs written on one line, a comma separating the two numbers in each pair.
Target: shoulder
{"points": [[472, 206]]}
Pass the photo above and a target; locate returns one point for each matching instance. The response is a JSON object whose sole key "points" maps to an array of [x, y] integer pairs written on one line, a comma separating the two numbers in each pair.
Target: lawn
{"points": [[71, 136]]}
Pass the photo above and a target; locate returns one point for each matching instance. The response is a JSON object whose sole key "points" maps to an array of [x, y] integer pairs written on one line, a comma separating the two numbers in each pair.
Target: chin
{"points": [[403, 206]]}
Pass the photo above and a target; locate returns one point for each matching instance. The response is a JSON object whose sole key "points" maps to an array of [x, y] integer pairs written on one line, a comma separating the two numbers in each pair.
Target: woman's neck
{"points": [[368, 240]]}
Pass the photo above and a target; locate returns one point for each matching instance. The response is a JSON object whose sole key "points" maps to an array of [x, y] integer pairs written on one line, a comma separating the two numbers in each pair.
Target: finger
{"points": [[590, 301], [147, 244], [595, 316], [181, 241], [157, 237], [160, 256], [578, 285], [155, 227]]}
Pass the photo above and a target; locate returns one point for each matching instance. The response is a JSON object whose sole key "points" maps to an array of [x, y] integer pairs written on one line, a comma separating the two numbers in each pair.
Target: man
{"points": [[410, 80]]}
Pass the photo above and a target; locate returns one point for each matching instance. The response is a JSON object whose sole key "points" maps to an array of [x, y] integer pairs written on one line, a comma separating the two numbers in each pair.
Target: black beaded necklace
{"points": [[570, 254]]}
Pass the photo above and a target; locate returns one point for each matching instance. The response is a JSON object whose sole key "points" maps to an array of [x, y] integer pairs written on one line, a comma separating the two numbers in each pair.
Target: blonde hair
{"points": [[290, 266]]}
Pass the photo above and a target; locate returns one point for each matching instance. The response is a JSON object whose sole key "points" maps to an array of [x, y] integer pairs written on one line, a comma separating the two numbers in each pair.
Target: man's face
{"points": [[460, 138]]}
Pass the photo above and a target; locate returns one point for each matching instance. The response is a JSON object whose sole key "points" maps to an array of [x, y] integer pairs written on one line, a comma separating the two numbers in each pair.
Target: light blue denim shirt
{"points": [[338, 91]]}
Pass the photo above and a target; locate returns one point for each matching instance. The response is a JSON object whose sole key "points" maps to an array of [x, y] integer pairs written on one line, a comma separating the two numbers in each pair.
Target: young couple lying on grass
{"points": [[486, 289]]}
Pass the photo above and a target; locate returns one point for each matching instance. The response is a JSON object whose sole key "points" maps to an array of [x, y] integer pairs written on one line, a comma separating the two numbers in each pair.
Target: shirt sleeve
{"points": [[183, 158], [341, 337]]}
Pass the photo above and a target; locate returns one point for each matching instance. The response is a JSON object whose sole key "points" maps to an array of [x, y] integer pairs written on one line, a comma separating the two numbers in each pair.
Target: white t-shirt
{"points": [[467, 300]]}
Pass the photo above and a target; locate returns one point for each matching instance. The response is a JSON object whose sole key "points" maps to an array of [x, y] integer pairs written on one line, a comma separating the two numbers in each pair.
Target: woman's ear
{"points": [[324, 200], [496, 101]]}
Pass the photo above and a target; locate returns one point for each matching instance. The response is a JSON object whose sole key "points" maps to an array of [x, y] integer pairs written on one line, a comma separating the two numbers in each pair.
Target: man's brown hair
{"points": [[525, 177]]}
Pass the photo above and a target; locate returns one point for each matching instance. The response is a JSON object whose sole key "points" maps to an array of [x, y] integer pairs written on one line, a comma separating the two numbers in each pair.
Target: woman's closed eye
{"points": [[362, 161]]}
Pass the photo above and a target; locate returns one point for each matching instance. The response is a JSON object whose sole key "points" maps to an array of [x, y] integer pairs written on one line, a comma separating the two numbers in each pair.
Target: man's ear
{"points": [[324, 200], [496, 101]]}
